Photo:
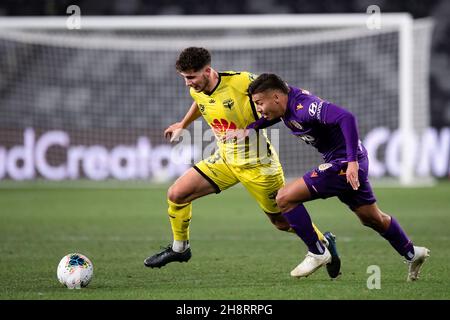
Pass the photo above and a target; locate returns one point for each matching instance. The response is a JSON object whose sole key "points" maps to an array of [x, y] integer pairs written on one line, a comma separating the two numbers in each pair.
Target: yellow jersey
{"points": [[229, 107]]}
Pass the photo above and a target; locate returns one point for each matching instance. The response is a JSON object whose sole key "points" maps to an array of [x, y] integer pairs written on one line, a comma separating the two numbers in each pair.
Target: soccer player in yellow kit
{"points": [[223, 101]]}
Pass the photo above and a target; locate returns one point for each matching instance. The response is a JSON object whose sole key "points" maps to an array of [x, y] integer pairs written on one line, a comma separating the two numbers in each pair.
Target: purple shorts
{"points": [[329, 180]]}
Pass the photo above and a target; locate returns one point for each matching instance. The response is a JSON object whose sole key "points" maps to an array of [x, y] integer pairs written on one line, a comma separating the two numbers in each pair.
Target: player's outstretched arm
{"points": [[174, 131], [262, 123]]}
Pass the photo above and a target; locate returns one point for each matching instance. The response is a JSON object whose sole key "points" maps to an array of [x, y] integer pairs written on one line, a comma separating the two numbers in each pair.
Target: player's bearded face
{"points": [[198, 81], [267, 105]]}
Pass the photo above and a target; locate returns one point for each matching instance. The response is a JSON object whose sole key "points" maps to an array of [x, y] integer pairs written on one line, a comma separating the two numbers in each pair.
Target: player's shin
{"points": [[300, 221], [399, 240], [180, 217]]}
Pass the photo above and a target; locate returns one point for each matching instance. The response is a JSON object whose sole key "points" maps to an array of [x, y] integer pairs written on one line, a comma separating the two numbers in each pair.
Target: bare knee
{"points": [[373, 218], [370, 222], [283, 201], [176, 195]]}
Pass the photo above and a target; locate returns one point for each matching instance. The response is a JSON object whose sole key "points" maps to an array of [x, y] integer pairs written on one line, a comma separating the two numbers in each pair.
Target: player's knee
{"points": [[176, 195], [372, 217], [282, 200], [372, 222]]}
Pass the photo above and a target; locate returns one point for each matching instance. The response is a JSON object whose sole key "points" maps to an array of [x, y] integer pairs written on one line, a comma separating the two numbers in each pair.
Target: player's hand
{"points": [[174, 131], [352, 174]]}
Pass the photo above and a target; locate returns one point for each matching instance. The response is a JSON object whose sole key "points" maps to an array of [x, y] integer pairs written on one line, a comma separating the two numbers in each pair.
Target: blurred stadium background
{"points": [[86, 108], [92, 103]]}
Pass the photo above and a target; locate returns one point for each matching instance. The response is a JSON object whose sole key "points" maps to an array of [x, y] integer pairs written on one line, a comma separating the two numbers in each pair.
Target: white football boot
{"points": [[420, 255], [311, 263]]}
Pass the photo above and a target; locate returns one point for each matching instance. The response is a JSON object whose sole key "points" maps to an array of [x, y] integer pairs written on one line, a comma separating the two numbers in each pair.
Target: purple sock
{"points": [[300, 221], [399, 240]]}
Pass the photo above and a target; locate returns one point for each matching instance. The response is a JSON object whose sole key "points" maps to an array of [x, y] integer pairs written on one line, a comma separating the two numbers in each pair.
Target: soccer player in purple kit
{"points": [[333, 131]]}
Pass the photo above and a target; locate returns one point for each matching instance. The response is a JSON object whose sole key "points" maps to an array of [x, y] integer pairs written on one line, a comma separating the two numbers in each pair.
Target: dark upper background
{"points": [[437, 9]]}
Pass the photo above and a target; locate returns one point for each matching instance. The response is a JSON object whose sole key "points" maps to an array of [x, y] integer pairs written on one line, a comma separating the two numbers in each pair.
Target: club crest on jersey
{"points": [[296, 124], [299, 106], [202, 108], [325, 166], [312, 109], [228, 103]]}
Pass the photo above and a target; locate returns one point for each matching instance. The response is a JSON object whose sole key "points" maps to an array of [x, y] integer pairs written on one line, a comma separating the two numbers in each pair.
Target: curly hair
{"points": [[193, 58]]}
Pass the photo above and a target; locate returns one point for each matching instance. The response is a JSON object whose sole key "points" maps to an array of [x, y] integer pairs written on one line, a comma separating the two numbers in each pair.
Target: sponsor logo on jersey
{"points": [[312, 109], [325, 166], [212, 101], [228, 103], [296, 124], [299, 106], [222, 125], [319, 110]]}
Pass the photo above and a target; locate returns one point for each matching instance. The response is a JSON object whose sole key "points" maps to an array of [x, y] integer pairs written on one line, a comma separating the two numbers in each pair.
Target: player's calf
{"points": [[279, 221]]}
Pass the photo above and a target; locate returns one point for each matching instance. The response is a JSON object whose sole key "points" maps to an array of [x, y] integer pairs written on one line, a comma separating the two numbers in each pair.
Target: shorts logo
{"points": [[325, 166], [273, 195], [312, 109], [296, 124]]}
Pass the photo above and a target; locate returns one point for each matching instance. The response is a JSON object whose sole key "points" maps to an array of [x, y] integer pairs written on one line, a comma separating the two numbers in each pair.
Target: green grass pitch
{"points": [[237, 253]]}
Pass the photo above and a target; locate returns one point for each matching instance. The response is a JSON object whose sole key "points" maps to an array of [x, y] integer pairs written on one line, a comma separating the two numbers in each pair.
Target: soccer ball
{"points": [[75, 271]]}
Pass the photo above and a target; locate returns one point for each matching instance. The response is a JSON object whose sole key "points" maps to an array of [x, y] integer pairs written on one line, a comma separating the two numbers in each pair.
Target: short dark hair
{"points": [[193, 58], [268, 81]]}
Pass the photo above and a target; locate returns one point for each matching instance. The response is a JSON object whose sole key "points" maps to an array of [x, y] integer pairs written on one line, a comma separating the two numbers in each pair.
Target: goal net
{"points": [[93, 103]]}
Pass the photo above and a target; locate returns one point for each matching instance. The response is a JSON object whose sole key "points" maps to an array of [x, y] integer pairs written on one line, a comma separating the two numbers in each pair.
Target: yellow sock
{"points": [[319, 234], [180, 217]]}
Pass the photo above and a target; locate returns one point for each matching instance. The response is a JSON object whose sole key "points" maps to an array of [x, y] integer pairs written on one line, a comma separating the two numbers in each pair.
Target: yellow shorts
{"points": [[262, 180]]}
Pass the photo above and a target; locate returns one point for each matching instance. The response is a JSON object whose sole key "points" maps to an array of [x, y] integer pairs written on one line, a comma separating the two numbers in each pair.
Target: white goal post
{"points": [[328, 34]]}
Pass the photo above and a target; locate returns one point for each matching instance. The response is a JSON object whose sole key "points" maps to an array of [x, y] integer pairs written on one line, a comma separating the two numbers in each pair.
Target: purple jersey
{"points": [[327, 127]]}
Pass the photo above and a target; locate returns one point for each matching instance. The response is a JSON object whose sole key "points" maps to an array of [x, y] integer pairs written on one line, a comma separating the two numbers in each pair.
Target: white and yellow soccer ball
{"points": [[75, 271]]}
